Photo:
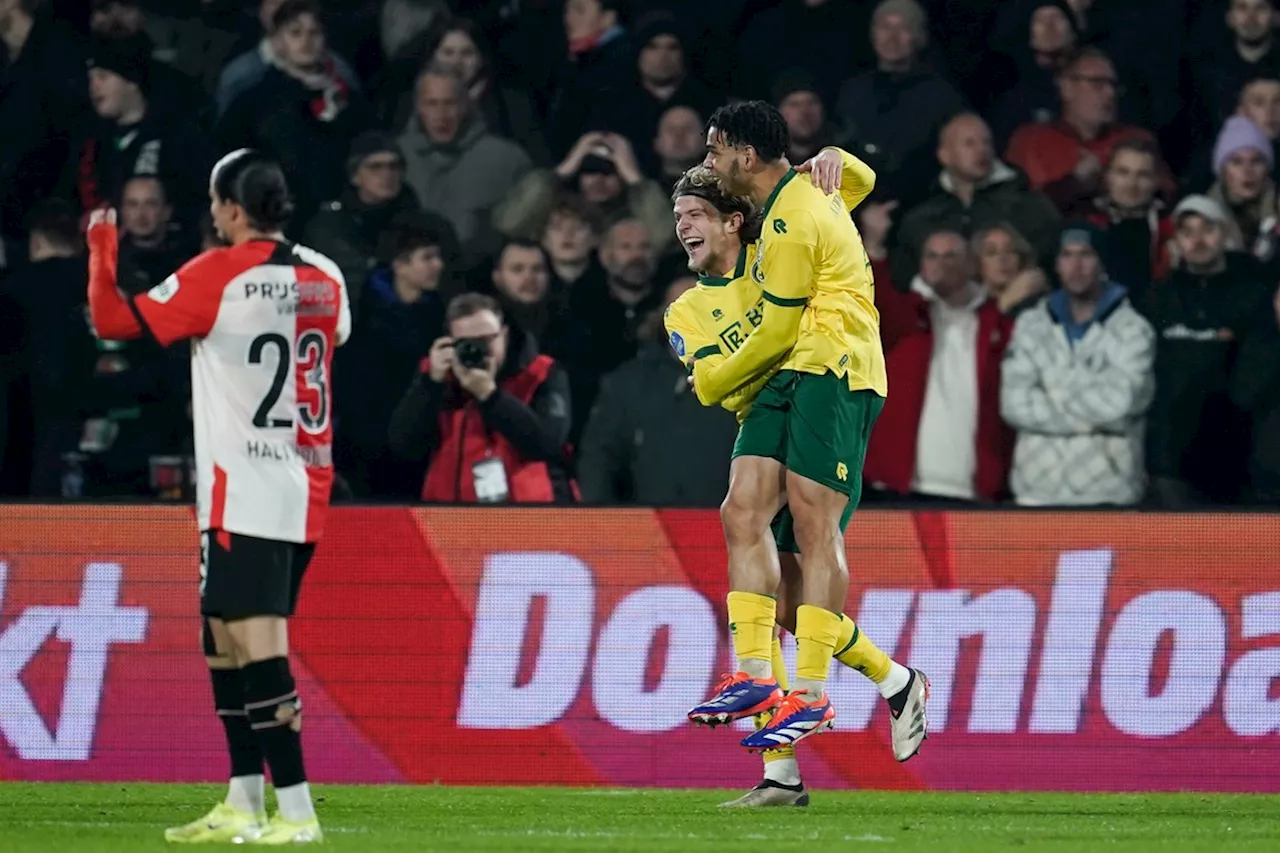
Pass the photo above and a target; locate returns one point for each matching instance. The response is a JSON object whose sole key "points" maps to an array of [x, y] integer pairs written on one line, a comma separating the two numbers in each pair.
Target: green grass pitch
{"points": [[115, 818]]}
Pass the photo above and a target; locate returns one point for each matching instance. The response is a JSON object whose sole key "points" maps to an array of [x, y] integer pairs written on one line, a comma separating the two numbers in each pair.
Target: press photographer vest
{"points": [[466, 441]]}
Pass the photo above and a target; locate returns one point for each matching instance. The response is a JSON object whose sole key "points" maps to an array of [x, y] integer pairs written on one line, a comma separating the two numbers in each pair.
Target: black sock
{"points": [[242, 745], [275, 715]]}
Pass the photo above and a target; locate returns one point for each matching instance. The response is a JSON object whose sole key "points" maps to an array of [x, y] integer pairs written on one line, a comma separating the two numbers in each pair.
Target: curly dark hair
{"points": [[754, 123]]}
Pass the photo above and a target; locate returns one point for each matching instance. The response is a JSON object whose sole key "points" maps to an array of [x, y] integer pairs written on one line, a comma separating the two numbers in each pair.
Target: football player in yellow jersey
{"points": [[806, 433], [717, 232]]}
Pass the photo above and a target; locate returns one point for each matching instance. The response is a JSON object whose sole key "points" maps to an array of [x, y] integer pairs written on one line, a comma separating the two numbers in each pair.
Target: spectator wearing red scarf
{"points": [[304, 112]]}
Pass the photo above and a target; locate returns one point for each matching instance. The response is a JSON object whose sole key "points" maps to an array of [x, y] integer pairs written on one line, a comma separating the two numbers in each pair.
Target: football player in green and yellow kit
{"points": [[717, 232], [804, 438]]}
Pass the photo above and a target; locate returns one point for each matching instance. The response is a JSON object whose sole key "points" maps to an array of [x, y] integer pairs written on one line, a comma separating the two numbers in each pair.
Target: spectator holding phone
{"points": [[489, 412]]}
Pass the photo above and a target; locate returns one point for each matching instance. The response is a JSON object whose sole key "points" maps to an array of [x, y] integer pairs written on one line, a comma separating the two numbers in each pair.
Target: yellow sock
{"points": [[751, 619], [817, 631], [762, 720], [779, 665], [855, 650]]}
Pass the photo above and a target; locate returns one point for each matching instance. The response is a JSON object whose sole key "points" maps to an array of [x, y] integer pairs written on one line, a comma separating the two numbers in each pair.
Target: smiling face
{"points": [[709, 238]]}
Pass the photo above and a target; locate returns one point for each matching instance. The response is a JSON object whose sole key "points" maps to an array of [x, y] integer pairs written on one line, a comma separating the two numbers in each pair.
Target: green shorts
{"points": [[815, 426]]}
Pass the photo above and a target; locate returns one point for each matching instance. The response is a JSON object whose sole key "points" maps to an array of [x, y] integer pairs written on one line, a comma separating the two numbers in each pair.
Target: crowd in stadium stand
{"points": [[1074, 233]]}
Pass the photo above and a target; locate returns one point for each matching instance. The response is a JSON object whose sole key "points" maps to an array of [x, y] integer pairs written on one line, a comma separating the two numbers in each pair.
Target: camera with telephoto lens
{"points": [[471, 352]]}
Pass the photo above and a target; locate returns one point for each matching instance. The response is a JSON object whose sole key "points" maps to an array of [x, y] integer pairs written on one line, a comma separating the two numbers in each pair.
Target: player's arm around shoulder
{"points": [[834, 169]]}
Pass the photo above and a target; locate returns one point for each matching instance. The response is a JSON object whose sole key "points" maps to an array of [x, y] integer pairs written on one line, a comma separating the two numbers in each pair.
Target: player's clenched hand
{"points": [[102, 216], [441, 356], [824, 168]]}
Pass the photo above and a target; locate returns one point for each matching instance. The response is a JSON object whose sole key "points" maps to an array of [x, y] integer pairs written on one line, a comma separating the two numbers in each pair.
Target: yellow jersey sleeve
{"points": [[686, 335], [785, 267], [857, 179]]}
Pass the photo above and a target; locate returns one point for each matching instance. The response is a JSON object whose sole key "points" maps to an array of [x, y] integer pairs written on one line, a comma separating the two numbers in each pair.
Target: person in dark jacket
{"points": [[303, 111], [52, 350], [402, 313], [648, 441], [43, 103], [347, 229], [149, 249], [172, 91], [1255, 389], [900, 105], [114, 403], [494, 431], [598, 72], [975, 190], [820, 36], [662, 81], [134, 138], [1197, 438], [1135, 219]]}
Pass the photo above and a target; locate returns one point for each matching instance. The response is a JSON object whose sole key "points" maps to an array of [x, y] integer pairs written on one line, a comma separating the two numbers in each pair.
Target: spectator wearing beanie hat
{"points": [[348, 228], [133, 140], [663, 80], [1242, 160], [899, 106]]}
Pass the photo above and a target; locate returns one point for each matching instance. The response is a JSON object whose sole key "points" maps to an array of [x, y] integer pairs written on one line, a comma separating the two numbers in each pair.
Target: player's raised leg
{"points": [[905, 690], [755, 487], [244, 809]]}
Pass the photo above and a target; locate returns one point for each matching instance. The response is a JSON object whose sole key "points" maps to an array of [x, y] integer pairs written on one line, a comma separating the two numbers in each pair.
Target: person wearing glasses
{"points": [[348, 227], [1066, 158]]}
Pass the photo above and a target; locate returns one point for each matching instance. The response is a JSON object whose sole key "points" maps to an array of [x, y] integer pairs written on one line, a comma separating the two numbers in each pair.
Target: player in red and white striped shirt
{"points": [[263, 317]]}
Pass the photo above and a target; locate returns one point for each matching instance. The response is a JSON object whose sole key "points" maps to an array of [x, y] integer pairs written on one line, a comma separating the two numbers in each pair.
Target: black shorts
{"points": [[243, 576]]}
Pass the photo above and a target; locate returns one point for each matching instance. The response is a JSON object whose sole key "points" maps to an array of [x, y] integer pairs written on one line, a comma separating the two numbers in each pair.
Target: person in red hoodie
{"points": [[489, 410], [940, 436]]}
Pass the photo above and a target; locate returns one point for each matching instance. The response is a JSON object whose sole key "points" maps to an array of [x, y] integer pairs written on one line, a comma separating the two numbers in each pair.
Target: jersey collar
{"points": [[773, 196], [720, 281]]}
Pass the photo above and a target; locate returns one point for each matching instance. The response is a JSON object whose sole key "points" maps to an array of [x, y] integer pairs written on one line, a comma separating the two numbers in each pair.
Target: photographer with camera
{"points": [[489, 411]]}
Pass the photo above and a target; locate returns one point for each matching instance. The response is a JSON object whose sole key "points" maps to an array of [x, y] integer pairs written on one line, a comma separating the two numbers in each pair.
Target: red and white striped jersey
{"points": [[263, 318]]}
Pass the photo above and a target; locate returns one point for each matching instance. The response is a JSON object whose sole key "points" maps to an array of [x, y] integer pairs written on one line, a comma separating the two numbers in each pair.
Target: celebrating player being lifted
{"points": [[805, 436], [263, 317], [714, 318]]}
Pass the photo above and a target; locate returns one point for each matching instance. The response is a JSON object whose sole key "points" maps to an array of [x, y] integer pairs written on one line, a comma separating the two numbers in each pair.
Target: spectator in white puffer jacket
{"points": [[1076, 384]]}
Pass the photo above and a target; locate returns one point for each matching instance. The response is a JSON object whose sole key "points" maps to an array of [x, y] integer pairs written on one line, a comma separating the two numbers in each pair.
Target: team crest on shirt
{"points": [[757, 275], [164, 291]]}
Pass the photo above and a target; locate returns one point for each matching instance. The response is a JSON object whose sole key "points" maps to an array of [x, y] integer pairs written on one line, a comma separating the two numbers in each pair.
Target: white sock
{"points": [[784, 771], [896, 681], [295, 803], [756, 668], [248, 793], [814, 689]]}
